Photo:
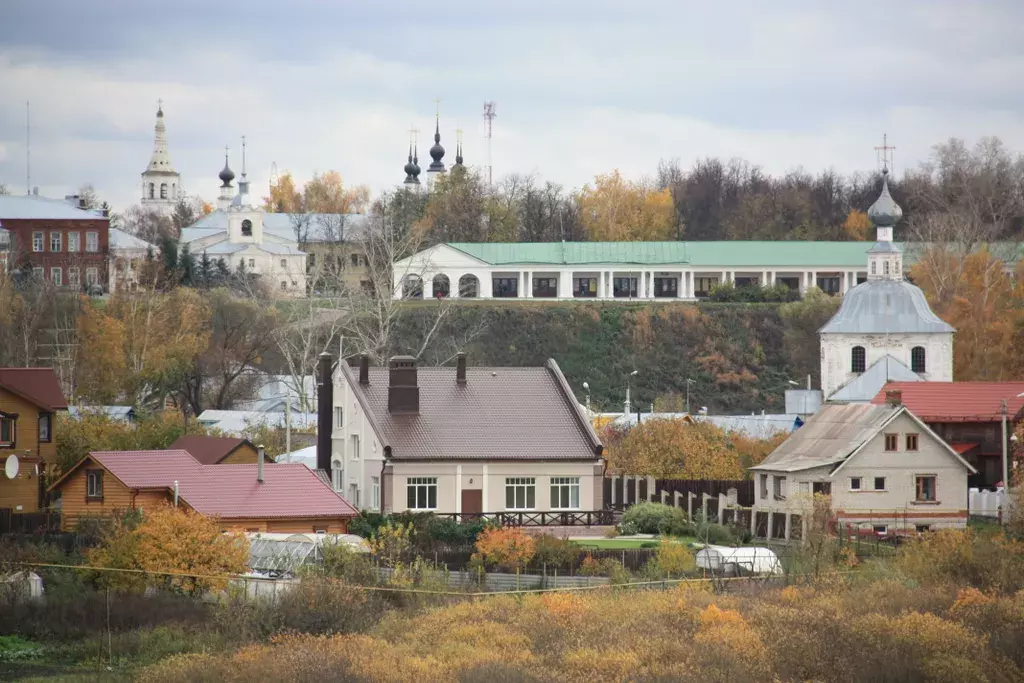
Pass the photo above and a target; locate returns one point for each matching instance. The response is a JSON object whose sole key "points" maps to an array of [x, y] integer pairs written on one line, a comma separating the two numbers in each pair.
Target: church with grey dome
{"points": [[884, 329]]}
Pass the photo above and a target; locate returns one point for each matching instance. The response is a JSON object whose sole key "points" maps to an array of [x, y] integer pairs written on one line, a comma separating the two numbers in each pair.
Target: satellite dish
{"points": [[11, 466]]}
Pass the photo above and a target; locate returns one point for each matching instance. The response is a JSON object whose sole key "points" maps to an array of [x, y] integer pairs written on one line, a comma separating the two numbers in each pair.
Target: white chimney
{"points": [[259, 464]]}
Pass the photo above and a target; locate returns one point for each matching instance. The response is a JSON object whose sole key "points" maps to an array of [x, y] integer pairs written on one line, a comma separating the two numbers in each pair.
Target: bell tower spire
{"points": [[161, 184]]}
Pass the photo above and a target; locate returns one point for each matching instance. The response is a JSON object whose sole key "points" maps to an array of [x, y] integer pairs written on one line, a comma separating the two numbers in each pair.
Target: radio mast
{"points": [[489, 114]]}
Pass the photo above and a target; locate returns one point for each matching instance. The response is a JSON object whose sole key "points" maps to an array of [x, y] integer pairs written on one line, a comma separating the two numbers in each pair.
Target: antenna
{"points": [[489, 114], [28, 150], [243, 156]]}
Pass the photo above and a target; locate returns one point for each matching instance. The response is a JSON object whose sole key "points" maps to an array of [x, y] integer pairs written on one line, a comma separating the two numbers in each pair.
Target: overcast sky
{"points": [[581, 87]]}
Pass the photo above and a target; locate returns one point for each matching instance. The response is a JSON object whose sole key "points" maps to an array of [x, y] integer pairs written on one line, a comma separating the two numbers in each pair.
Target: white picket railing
{"points": [[985, 503]]}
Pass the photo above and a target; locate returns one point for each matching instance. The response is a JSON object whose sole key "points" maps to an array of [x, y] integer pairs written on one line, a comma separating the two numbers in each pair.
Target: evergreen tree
{"points": [[189, 275], [223, 273], [206, 273]]}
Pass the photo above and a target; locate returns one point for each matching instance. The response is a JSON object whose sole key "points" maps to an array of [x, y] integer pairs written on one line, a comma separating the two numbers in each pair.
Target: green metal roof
{"points": [[731, 254]]}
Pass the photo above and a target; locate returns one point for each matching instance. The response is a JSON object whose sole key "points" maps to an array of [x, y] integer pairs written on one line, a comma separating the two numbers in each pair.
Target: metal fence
{"points": [[12, 522]]}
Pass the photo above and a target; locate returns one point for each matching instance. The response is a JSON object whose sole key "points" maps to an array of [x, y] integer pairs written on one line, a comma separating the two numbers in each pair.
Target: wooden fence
{"points": [[542, 519], [12, 522], [621, 492]]}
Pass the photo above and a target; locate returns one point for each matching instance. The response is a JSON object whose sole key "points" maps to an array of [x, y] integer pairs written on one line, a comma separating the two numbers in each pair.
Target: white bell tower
{"points": [[161, 184]]}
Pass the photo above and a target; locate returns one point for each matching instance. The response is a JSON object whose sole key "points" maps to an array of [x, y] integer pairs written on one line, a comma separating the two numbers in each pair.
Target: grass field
{"points": [[625, 543]]}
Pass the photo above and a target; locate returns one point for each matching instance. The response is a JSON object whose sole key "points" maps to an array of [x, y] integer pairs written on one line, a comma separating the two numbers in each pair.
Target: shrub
{"points": [[340, 561], [551, 550], [655, 518], [711, 532], [507, 549], [966, 558], [391, 543], [607, 566]]}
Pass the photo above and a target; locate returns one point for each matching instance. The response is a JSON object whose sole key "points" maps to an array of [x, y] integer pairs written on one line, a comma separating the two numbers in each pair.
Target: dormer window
{"points": [[247, 228]]}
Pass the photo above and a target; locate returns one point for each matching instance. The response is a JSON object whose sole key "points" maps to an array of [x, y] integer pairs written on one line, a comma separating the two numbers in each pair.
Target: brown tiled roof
{"points": [[38, 385], [499, 413], [208, 450]]}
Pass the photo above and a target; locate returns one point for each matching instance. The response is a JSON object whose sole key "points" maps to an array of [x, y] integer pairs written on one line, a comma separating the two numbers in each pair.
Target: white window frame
{"points": [[859, 483], [56, 238], [339, 415], [522, 489], [375, 493], [354, 441], [74, 277], [92, 241], [74, 242], [562, 490], [884, 484], [422, 486], [57, 276], [337, 475], [94, 484], [38, 241], [92, 276]]}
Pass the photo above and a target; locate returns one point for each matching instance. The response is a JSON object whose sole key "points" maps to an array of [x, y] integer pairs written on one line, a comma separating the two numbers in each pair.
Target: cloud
{"points": [[582, 88]]}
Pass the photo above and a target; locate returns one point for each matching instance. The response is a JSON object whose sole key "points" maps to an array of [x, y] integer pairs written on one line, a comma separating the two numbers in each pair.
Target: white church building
{"points": [[884, 330], [246, 237]]}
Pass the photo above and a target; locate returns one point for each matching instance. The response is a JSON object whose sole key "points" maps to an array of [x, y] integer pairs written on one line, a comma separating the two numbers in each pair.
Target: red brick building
{"points": [[55, 240]]}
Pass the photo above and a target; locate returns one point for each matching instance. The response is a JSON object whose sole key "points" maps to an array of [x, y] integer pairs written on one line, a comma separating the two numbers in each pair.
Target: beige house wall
{"points": [[489, 477]]}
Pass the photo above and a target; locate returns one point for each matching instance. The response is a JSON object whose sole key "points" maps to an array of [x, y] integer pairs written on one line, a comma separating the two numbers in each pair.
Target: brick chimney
{"points": [[403, 392], [364, 369], [460, 368], [894, 398]]}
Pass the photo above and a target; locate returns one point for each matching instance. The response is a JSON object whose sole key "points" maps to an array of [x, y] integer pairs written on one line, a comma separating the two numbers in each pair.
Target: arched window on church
{"points": [[917, 360], [163, 190], [152, 191], [858, 359]]}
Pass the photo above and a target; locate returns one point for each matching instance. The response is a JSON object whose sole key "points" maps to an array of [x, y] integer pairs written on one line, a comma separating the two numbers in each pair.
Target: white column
{"points": [[528, 289], [814, 278], [721, 280], [458, 489], [486, 285], [606, 277], [681, 291], [771, 278], [453, 285], [485, 484], [732, 276], [650, 285]]}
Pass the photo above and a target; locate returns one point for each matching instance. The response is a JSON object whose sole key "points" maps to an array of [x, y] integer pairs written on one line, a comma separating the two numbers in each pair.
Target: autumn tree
{"points": [[675, 449], [857, 225], [101, 378], [457, 208], [323, 193], [615, 210], [508, 548], [191, 547]]}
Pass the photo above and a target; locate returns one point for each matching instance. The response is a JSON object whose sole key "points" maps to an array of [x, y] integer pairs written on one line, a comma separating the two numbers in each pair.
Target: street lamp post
{"points": [[629, 382]]}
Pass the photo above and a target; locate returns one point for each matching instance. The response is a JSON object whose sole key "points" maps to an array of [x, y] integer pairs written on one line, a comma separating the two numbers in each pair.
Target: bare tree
{"points": [[148, 224]]}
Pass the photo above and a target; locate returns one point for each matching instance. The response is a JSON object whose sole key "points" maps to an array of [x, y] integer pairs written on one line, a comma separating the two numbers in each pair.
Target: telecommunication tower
{"points": [[489, 114]]}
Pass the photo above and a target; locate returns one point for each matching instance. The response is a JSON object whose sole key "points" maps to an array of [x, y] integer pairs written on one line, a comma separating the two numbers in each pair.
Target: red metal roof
{"points": [[957, 401], [38, 385], [208, 450], [962, 448], [229, 491]]}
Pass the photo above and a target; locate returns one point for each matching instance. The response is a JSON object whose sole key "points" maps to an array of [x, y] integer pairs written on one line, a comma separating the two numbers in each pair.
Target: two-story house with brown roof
{"points": [[460, 439], [29, 397]]}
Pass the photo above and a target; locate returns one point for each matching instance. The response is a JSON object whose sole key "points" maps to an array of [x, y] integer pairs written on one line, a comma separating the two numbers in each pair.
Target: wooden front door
{"points": [[472, 501]]}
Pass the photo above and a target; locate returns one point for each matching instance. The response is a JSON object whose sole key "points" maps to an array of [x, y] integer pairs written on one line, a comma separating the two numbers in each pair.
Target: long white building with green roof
{"points": [[625, 270]]}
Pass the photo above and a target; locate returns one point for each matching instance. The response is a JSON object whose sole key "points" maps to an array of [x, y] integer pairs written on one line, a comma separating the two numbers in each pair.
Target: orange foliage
{"points": [[857, 225], [507, 548]]}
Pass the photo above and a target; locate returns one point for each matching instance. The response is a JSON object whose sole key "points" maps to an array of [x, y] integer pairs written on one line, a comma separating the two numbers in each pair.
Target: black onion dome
{"points": [[226, 175], [437, 151], [409, 166]]}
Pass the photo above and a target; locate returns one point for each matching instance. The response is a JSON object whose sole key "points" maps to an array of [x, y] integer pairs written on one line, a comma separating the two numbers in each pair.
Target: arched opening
{"points": [[442, 287], [858, 359], [917, 360], [163, 190], [469, 287], [412, 287], [152, 191]]}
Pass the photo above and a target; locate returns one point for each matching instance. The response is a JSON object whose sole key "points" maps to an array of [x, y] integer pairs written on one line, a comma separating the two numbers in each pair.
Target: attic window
{"points": [[94, 484], [892, 442], [7, 430], [911, 442]]}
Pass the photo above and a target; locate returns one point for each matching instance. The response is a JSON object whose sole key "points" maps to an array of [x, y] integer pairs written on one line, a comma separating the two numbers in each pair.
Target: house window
{"points": [[355, 259], [38, 273], [892, 442], [880, 529], [94, 484], [911, 442], [57, 275], [284, 264], [822, 487], [91, 276], [339, 413], [421, 493], [337, 475], [92, 241], [545, 287], [375, 493], [247, 228], [917, 359], [252, 263], [7, 431], [780, 488], [764, 486], [623, 287], [855, 483], [565, 493], [584, 287], [505, 287], [74, 241], [55, 241], [353, 494], [829, 284], [666, 287], [922, 528], [74, 277], [355, 447], [46, 427], [702, 286], [879, 483], [520, 493], [37, 241], [858, 359], [925, 488]]}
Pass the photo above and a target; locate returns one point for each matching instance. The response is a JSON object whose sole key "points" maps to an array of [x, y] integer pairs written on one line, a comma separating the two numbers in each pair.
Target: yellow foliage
{"points": [[508, 548], [617, 210], [857, 225], [673, 448], [171, 539], [100, 374]]}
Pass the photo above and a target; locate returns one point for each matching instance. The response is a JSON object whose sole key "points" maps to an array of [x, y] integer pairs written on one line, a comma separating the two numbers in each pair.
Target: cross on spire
{"points": [[885, 152], [413, 132], [159, 104], [437, 104]]}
